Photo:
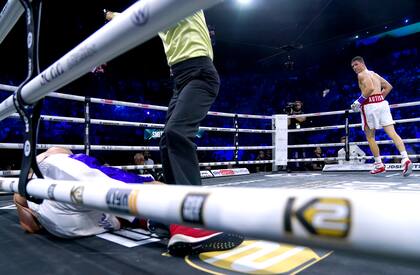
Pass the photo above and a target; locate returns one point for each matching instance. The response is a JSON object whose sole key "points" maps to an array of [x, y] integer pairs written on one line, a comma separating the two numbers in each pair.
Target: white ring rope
{"points": [[9, 16], [141, 124], [9, 88], [357, 217], [137, 24], [398, 105], [216, 129], [141, 148], [202, 164], [77, 147], [320, 128], [408, 140], [133, 104], [351, 158], [9, 173], [213, 113]]}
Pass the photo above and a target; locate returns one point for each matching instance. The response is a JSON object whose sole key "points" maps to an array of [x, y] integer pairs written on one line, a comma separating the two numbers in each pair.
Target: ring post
{"points": [[280, 140], [346, 145], [275, 167], [236, 140], [87, 125], [30, 113]]}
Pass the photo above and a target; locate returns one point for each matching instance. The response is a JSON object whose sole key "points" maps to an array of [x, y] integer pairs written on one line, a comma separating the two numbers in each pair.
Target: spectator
{"points": [[139, 160], [318, 165], [295, 108], [147, 159], [263, 167], [143, 158]]}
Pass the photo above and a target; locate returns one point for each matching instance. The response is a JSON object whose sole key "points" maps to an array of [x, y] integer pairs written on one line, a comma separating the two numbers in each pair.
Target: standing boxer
{"points": [[376, 114]]}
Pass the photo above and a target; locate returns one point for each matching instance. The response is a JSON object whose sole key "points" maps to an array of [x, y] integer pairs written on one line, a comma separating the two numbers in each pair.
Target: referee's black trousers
{"points": [[196, 85]]}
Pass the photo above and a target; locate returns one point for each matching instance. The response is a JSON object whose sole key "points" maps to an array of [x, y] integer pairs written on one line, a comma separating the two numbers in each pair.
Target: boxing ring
{"points": [[327, 211], [87, 121]]}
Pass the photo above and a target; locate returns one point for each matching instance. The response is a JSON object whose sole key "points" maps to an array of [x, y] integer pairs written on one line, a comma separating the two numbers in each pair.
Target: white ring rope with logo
{"points": [[359, 219], [358, 210]]}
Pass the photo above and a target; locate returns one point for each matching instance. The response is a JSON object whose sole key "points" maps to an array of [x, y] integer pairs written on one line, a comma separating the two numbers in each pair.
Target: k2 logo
{"points": [[330, 217]]}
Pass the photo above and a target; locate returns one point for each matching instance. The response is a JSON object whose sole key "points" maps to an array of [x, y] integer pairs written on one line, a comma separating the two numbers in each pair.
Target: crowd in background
{"points": [[327, 86]]}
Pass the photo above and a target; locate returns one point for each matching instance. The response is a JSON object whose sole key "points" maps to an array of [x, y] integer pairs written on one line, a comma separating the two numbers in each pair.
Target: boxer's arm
{"points": [[385, 86], [366, 85], [27, 218], [362, 98]]}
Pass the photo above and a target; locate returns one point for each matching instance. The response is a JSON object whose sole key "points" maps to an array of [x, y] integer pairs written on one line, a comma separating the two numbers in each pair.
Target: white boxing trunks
{"points": [[375, 113], [67, 220]]}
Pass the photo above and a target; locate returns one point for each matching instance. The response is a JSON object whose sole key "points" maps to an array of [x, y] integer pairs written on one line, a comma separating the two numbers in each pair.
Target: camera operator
{"points": [[296, 108]]}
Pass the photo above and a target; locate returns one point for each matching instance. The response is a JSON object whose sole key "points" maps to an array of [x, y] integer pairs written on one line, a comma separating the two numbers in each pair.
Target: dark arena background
{"points": [[271, 55]]}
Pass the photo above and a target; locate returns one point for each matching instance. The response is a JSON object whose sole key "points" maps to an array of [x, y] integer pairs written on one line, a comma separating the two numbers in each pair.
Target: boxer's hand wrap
{"points": [[357, 103]]}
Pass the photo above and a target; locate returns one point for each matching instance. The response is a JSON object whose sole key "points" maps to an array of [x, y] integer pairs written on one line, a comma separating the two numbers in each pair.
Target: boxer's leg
{"points": [[390, 131], [374, 148], [406, 162]]}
